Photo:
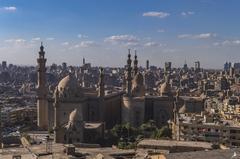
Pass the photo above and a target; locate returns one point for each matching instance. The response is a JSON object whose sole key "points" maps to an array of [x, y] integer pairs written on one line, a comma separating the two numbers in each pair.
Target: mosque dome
{"points": [[69, 87], [68, 82], [74, 116], [75, 119]]}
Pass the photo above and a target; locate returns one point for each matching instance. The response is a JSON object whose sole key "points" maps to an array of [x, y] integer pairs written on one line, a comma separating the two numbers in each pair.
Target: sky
{"points": [[102, 31]]}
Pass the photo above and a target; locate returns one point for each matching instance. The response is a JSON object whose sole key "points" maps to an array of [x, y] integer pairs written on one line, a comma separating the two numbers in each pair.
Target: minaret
{"points": [[83, 61], [129, 74], [135, 63], [56, 116], [42, 102], [176, 129], [175, 110], [147, 65], [101, 91], [101, 94]]}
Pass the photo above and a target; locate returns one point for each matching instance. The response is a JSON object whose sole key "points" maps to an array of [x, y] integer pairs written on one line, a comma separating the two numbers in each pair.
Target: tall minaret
{"points": [[101, 94], [101, 83], [175, 109], [83, 61], [42, 102], [147, 64], [129, 74], [135, 63], [56, 116]]}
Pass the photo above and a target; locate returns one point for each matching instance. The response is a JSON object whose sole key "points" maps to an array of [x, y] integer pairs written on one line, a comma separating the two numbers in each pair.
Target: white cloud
{"points": [[10, 8], [65, 43], [36, 39], [236, 42], [82, 36], [170, 50], [187, 13], [50, 39], [197, 36], [122, 39], [152, 44], [156, 14], [161, 30], [85, 44], [205, 35], [184, 36], [216, 44], [19, 40], [132, 44], [227, 43]]}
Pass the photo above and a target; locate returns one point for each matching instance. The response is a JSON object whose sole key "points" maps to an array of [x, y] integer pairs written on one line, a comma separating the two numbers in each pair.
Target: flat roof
{"points": [[213, 154], [174, 143]]}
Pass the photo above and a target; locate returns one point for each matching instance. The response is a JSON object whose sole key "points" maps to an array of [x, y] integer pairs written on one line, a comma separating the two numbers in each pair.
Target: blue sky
{"points": [[103, 30]]}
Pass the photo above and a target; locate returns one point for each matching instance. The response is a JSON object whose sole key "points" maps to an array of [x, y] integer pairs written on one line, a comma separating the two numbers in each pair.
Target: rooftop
{"points": [[174, 143]]}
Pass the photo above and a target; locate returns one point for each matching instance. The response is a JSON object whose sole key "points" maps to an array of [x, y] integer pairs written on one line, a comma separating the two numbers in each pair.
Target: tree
{"points": [[164, 132]]}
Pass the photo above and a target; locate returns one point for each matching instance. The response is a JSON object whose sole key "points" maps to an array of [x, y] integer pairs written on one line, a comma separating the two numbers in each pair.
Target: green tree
{"points": [[164, 132]]}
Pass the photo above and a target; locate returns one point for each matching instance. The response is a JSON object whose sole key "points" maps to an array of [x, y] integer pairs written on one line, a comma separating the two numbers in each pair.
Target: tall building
{"points": [[4, 65], [168, 67], [42, 102], [147, 65], [197, 66], [64, 66]]}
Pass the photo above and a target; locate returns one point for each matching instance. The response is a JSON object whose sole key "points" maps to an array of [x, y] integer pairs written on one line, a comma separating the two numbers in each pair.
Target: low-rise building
{"points": [[208, 129]]}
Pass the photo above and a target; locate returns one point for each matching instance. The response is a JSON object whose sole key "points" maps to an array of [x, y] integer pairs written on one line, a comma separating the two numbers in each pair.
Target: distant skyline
{"points": [[103, 30]]}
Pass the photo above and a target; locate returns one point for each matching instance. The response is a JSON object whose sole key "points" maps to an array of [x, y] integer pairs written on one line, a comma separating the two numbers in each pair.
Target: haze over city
{"points": [[103, 30]]}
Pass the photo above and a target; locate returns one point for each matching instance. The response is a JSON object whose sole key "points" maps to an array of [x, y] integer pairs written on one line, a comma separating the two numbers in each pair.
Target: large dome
{"points": [[68, 82], [69, 87], [75, 116]]}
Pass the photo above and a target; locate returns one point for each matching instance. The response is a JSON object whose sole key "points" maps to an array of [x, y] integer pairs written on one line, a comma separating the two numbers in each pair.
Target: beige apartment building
{"points": [[208, 129]]}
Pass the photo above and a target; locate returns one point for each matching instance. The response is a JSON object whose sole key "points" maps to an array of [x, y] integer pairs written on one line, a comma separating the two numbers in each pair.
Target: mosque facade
{"points": [[74, 109]]}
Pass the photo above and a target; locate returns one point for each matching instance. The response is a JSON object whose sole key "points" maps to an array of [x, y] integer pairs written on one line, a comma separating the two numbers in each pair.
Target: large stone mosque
{"points": [[79, 114]]}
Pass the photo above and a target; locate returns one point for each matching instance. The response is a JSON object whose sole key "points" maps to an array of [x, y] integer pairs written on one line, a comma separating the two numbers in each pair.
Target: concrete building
{"points": [[206, 128]]}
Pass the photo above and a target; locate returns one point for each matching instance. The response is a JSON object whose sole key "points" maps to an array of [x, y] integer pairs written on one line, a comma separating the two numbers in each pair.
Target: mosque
{"points": [[79, 114]]}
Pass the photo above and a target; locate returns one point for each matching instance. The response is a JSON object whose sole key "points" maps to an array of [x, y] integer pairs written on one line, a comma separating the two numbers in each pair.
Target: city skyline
{"points": [[102, 31]]}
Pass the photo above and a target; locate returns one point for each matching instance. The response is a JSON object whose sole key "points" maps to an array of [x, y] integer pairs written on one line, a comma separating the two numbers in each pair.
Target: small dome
{"points": [[183, 109], [75, 119], [74, 116]]}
